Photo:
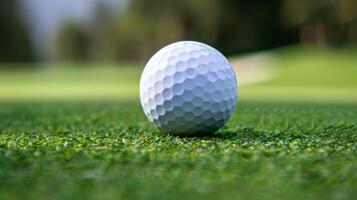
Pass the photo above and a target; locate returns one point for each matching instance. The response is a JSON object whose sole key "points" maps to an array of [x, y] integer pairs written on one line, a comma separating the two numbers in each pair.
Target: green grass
{"points": [[108, 150], [307, 73], [80, 133], [316, 67], [302, 73], [72, 82]]}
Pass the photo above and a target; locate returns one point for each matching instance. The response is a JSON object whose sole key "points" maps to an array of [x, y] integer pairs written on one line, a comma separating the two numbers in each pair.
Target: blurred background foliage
{"points": [[15, 37], [140, 27]]}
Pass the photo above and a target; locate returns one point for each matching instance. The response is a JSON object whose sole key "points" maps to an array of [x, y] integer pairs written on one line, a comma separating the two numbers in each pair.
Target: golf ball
{"points": [[188, 88]]}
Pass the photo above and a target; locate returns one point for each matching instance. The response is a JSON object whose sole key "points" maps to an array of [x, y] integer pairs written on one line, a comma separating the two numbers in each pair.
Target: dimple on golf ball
{"points": [[188, 88]]}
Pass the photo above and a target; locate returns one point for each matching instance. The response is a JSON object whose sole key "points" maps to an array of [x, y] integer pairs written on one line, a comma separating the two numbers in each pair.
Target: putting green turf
{"points": [[108, 150], [79, 133]]}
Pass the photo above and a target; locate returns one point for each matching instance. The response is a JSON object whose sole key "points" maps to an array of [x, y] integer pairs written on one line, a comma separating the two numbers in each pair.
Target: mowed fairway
{"points": [[81, 134]]}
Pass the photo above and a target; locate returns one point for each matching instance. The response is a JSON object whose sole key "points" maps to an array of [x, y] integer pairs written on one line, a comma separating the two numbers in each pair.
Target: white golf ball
{"points": [[188, 88]]}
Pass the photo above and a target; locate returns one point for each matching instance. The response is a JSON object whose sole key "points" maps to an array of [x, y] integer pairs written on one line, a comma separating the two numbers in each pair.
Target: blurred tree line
{"points": [[15, 44], [232, 26], [332, 22]]}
